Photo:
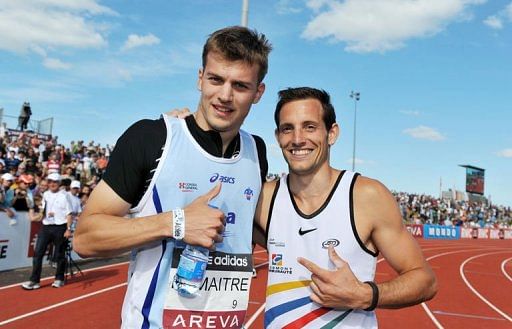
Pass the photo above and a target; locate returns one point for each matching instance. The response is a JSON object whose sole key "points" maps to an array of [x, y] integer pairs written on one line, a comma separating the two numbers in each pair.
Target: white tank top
{"points": [[292, 234]]}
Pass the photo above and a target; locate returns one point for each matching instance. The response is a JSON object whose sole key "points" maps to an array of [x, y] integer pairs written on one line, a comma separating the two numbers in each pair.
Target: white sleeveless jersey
{"points": [[186, 171], [292, 234]]}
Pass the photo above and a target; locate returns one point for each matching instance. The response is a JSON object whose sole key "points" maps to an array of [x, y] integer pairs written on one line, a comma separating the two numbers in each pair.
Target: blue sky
{"points": [[434, 75]]}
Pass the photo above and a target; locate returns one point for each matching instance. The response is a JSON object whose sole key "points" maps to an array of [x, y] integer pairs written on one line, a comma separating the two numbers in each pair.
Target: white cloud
{"points": [[41, 92], [284, 7], [497, 21], [358, 161], [506, 153], [55, 64], [494, 22], [48, 24], [135, 41], [411, 113], [379, 26], [423, 132], [508, 11]]}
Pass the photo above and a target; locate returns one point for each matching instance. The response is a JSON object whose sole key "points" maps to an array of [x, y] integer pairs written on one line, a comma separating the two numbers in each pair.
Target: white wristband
{"points": [[178, 223]]}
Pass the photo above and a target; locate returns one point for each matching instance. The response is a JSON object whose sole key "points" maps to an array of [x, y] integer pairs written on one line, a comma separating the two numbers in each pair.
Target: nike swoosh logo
{"points": [[301, 232]]}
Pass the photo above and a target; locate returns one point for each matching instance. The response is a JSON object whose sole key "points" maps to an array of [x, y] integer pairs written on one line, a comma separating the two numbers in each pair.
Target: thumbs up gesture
{"points": [[204, 225]]}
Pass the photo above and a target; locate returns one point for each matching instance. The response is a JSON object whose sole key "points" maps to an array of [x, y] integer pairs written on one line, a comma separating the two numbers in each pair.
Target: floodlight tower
{"points": [[245, 13], [356, 96]]}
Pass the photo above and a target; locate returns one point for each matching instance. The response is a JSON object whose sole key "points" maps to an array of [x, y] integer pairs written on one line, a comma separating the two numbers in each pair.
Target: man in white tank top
{"points": [[337, 219]]}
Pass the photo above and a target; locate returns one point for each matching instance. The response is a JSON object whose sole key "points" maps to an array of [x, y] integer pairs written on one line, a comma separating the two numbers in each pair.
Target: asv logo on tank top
{"points": [[222, 179]]}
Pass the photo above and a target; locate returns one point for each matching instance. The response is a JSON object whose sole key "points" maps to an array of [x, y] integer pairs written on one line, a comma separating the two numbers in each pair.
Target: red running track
{"points": [[475, 286]]}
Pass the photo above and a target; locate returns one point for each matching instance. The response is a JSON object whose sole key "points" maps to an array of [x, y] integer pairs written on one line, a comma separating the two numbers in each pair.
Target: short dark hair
{"points": [[236, 43], [293, 94]]}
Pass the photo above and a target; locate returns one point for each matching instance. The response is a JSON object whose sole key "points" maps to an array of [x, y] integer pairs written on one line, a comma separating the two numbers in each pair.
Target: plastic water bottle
{"points": [[191, 270]]}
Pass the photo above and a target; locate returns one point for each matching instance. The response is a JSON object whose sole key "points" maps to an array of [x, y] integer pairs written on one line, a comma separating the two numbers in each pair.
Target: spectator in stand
{"points": [[101, 164], [31, 166], [86, 168], [35, 142], [40, 188], [76, 203], [47, 151], [23, 199], [68, 173], [6, 197], [53, 165], [86, 189], [11, 161]]}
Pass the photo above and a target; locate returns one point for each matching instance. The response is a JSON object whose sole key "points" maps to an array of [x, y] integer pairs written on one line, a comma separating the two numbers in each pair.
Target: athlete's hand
{"points": [[204, 225], [179, 113], [338, 289]]}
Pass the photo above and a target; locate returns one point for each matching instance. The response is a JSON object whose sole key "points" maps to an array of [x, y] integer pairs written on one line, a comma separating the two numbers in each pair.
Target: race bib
{"points": [[222, 299]]}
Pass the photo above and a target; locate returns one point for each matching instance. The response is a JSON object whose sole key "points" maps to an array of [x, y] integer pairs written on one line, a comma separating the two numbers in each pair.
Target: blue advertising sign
{"points": [[441, 232]]}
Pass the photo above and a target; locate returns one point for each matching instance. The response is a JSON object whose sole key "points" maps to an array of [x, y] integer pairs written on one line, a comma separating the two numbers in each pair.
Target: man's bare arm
{"points": [[103, 230], [416, 281]]}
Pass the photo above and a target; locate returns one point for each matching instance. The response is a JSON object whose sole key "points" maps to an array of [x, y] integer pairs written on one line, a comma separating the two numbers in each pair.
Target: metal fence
{"points": [[44, 126]]}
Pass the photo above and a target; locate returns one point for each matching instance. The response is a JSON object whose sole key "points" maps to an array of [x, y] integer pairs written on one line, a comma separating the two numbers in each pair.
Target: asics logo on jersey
{"points": [[302, 232], [222, 179]]}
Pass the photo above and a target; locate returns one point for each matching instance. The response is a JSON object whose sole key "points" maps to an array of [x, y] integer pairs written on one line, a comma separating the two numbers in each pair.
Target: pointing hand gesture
{"points": [[338, 289]]}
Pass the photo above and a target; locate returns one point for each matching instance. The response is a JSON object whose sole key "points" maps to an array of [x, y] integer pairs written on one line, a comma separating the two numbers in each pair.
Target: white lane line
{"points": [[503, 268], [254, 316], [461, 271], [51, 277], [262, 307], [424, 305], [260, 265], [431, 316], [469, 316], [69, 301]]}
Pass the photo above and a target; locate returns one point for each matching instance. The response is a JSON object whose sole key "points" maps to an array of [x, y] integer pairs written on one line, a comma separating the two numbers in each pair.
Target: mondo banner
{"points": [[441, 232]]}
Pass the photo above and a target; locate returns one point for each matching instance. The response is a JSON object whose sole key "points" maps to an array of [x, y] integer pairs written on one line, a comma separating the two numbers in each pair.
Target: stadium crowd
{"points": [[26, 161], [425, 209]]}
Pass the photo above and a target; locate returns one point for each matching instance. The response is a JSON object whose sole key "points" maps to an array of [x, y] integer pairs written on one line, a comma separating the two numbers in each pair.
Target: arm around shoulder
{"points": [[261, 216]]}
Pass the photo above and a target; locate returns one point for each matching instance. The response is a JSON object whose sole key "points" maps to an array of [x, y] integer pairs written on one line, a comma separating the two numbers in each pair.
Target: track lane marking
{"points": [[505, 271], [491, 305], [468, 316], [83, 271], [424, 304], [254, 316], [69, 301]]}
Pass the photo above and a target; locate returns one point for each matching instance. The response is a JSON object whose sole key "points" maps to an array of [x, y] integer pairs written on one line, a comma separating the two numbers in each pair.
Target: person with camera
{"points": [[23, 199], [56, 228]]}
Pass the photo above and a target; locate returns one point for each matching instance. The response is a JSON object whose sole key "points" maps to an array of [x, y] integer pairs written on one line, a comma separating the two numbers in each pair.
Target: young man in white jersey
{"points": [[162, 165], [325, 228]]}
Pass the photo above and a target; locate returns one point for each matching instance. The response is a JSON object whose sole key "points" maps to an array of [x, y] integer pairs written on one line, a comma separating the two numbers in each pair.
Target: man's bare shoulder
{"points": [[370, 190]]}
